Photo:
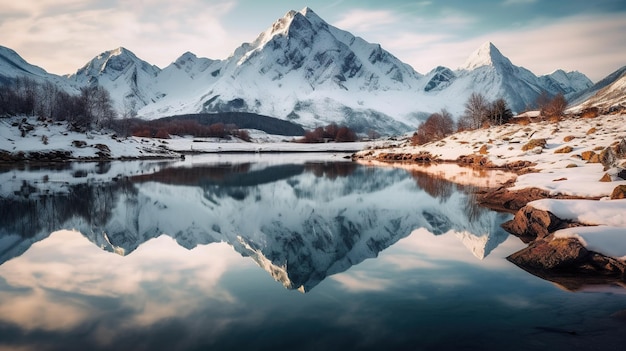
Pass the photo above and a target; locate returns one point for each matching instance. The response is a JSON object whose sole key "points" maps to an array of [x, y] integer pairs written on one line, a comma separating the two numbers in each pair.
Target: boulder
{"points": [[534, 143], [549, 254], [564, 150], [566, 262], [586, 155], [619, 192], [620, 148], [608, 158], [483, 150], [530, 222]]}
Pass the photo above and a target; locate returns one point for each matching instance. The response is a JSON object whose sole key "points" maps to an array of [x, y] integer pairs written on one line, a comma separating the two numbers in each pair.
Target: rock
{"points": [[79, 143], [550, 254], [586, 155], [592, 130], [622, 174], [608, 158], [595, 158], [564, 150], [566, 262], [483, 150], [518, 165], [569, 138], [533, 223], [606, 178], [503, 199], [534, 143], [620, 149], [619, 192], [476, 160]]}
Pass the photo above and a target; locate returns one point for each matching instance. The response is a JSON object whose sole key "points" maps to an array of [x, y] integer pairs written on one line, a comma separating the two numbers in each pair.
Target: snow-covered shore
{"points": [[26, 138], [577, 157]]}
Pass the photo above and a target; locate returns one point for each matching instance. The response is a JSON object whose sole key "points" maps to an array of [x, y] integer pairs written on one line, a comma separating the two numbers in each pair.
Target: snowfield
{"points": [[54, 136]]}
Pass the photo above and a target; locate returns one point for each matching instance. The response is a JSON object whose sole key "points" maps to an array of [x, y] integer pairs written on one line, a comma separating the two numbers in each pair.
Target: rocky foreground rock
{"points": [[564, 261]]}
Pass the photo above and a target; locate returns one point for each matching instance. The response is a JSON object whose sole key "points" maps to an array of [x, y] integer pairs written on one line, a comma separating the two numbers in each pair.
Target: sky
{"points": [[541, 35]]}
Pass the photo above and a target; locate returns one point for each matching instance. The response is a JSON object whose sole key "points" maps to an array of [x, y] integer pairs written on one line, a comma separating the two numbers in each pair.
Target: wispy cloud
{"points": [[68, 262], [362, 20], [42, 33], [359, 281], [518, 2], [592, 44]]}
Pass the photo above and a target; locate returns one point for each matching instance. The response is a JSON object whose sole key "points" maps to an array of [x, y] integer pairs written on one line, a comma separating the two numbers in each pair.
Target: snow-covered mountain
{"points": [[300, 222], [130, 80], [12, 66], [307, 71], [303, 69], [608, 93], [489, 72]]}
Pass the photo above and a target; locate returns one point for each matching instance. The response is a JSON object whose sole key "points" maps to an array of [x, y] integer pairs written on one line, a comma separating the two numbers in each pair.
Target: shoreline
{"points": [[563, 260]]}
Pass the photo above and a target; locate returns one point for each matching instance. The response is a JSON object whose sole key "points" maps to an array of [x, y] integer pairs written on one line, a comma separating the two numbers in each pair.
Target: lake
{"points": [[273, 252]]}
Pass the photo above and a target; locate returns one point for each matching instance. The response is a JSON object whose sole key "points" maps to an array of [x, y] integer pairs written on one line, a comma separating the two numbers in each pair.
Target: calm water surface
{"points": [[272, 252]]}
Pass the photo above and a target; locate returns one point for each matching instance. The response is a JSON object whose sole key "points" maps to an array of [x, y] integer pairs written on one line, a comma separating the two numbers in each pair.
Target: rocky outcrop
{"points": [[530, 222], [475, 160], [414, 157], [565, 261], [551, 254], [504, 199]]}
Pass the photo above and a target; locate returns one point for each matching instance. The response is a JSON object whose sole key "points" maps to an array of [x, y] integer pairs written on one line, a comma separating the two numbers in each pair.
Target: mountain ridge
{"points": [[306, 71]]}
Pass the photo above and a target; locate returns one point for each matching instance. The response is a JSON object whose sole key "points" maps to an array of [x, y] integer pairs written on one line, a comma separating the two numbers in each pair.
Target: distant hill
{"points": [[244, 120]]}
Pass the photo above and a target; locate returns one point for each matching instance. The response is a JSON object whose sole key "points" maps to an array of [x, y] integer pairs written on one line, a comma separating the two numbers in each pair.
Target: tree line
{"points": [[478, 113], [91, 108], [331, 132]]}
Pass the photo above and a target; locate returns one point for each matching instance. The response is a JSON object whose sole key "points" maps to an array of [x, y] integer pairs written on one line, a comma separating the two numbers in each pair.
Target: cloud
{"points": [[359, 281], [159, 30], [518, 2], [55, 280], [362, 20], [591, 44]]}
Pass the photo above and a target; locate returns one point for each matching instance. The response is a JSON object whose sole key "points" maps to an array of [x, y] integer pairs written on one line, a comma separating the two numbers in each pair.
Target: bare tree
{"points": [[476, 112], [555, 107], [499, 112], [437, 126]]}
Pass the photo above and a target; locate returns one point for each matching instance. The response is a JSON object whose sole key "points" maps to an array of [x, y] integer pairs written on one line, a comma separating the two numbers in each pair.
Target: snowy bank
{"points": [[606, 233], [26, 138], [566, 161]]}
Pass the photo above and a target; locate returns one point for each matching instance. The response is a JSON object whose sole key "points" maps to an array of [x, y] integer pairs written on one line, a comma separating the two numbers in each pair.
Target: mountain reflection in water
{"points": [[300, 222], [166, 256]]}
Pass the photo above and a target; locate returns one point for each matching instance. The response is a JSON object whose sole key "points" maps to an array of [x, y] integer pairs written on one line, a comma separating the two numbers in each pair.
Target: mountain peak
{"points": [[113, 63], [310, 15], [486, 55]]}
